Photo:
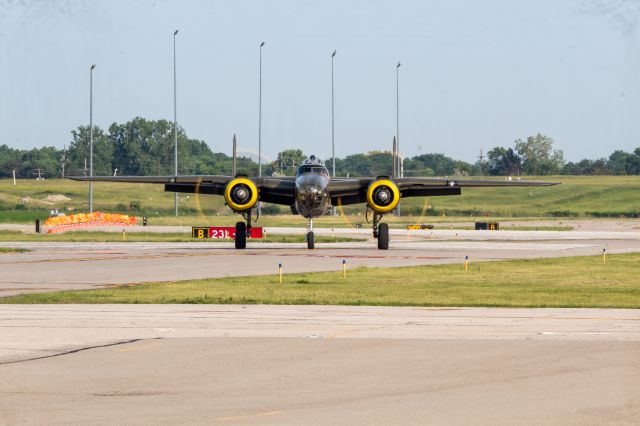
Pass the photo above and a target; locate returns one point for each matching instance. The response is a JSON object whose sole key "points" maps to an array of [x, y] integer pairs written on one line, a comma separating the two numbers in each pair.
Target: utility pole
{"points": [[481, 158]]}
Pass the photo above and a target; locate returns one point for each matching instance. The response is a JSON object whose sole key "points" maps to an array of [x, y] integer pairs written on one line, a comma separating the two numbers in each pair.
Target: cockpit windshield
{"points": [[311, 168]]}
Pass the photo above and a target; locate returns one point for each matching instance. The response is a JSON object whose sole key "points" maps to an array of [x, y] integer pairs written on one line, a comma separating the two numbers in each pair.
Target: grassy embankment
{"points": [[578, 196], [561, 282]]}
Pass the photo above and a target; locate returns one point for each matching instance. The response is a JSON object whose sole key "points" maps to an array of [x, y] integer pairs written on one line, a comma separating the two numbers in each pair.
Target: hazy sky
{"points": [[474, 74]]}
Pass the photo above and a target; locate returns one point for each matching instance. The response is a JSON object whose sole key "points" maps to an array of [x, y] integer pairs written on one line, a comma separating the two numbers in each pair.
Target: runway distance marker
{"points": [[222, 232]]}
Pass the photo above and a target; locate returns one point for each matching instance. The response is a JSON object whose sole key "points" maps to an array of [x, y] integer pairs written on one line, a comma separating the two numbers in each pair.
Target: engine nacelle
{"points": [[383, 195], [241, 194]]}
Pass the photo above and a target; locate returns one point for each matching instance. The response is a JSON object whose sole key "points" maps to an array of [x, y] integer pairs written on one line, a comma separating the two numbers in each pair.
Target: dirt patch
{"points": [[56, 198]]}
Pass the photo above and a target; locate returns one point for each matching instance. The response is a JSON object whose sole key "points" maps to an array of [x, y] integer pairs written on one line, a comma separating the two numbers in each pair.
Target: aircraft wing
{"points": [[276, 190], [353, 191], [419, 186]]}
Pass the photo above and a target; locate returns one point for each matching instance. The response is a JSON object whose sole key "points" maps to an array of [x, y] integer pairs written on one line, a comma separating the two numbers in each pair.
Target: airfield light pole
{"points": [[333, 133], [260, 115], [399, 165], [398, 115], [175, 121], [91, 138]]}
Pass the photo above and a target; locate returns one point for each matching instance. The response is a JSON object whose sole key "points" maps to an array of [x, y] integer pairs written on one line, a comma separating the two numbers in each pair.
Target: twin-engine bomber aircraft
{"points": [[312, 193]]}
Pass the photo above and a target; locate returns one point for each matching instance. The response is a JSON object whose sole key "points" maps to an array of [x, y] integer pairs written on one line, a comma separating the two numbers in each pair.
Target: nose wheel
{"points": [[383, 236], [241, 235], [311, 244], [243, 229], [381, 232]]}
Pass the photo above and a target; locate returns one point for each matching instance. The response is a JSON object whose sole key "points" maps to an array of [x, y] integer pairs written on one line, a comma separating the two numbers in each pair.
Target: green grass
{"points": [[561, 282], [12, 250], [88, 236], [578, 196]]}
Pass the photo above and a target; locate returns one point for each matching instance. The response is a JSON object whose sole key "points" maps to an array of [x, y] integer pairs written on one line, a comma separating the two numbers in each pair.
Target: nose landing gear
{"points": [[310, 237], [243, 230], [381, 232]]}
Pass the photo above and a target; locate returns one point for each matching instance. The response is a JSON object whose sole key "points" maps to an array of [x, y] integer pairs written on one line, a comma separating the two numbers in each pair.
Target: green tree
{"points": [[373, 163], [288, 161], [79, 152], [10, 160], [587, 167], [538, 155], [504, 162], [436, 165], [620, 162]]}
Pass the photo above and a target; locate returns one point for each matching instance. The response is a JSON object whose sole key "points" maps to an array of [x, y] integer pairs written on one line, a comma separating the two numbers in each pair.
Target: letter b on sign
{"points": [[199, 232]]}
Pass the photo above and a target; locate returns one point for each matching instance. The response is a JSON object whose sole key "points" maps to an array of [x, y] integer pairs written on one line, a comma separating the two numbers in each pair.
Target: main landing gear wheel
{"points": [[241, 235], [383, 236]]}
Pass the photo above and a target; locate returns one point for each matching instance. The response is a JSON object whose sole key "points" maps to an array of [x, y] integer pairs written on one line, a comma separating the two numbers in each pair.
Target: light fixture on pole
{"points": [[333, 138], [260, 115], [91, 138], [175, 121]]}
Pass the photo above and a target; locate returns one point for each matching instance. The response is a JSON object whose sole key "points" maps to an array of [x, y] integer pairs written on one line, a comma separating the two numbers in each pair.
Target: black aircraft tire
{"points": [[383, 236], [241, 235], [311, 243]]}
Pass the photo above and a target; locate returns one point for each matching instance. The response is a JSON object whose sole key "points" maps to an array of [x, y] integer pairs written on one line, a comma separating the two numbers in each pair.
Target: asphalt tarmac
{"points": [[68, 266], [232, 364]]}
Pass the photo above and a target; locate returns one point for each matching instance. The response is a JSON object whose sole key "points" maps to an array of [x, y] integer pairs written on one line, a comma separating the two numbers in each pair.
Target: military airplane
{"points": [[313, 193]]}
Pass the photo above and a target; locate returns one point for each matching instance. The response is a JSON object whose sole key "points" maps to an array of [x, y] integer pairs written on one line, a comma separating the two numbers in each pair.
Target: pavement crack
{"points": [[86, 348]]}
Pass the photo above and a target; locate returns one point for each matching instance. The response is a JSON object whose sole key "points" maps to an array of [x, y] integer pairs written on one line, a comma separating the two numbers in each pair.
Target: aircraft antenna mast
{"points": [[234, 153]]}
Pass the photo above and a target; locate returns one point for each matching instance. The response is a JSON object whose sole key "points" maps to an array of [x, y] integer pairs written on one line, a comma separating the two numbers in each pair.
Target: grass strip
{"points": [[12, 250], [576, 282]]}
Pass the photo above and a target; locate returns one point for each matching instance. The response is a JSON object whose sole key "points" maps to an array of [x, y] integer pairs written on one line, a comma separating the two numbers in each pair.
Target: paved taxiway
{"points": [[230, 364], [64, 266], [237, 364]]}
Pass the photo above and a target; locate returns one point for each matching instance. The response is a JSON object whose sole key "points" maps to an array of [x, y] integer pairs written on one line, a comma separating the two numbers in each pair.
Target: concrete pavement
{"points": [[167, 364]]}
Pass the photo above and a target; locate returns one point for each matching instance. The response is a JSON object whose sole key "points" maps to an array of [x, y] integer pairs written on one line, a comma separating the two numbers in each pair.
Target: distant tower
{"points": [[481, 158], [63, 161]]}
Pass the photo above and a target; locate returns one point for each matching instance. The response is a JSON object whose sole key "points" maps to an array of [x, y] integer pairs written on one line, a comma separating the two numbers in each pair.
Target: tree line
{"points": [[146, 147]]}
